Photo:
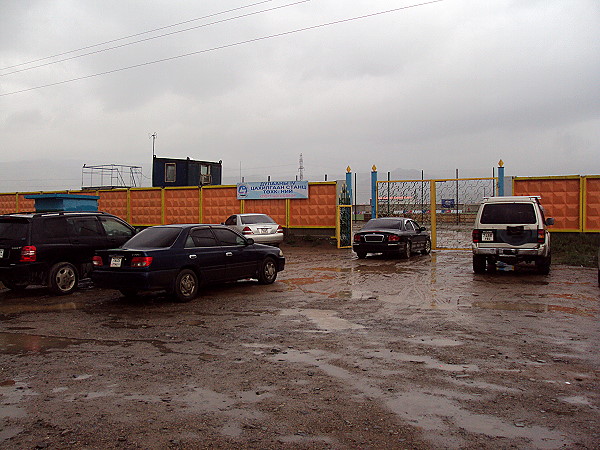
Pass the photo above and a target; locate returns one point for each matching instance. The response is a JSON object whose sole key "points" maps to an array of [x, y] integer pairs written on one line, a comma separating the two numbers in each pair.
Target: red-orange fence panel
{"points": [[560, 197], [8, 203], [26, 204], [273, 208], [114, 202], [146, 206], [318, 210], [218, 203], [182, 205], [591, 201]]}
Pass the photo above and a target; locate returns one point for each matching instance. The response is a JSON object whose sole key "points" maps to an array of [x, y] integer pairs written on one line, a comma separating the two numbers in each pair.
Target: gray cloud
{"points": [[455, 84]]}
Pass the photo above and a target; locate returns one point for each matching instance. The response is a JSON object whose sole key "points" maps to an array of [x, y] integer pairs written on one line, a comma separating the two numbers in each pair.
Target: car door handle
{"points": [[193, 256], [228, 254]]}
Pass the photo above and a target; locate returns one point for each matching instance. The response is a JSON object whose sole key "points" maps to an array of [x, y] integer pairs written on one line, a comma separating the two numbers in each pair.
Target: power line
{"points": [[134, 35], [221, 47], [154, 37]]}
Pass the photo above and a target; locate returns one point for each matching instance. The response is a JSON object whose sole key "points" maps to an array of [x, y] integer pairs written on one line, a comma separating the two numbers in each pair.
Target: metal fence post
{"points": [[373, 191], [432, 212], [500, 178]]}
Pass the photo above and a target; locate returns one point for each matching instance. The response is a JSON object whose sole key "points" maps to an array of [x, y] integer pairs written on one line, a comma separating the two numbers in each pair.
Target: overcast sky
{"points": [[454, 84]]}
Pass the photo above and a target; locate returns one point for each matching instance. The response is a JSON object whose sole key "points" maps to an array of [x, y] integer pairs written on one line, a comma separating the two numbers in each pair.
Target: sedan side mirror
{"points": [[250, 241], [422, 229], [550, 221]]}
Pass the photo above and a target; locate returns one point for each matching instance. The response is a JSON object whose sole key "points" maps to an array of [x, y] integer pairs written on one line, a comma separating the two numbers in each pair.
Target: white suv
{"points": [[511, 230]]}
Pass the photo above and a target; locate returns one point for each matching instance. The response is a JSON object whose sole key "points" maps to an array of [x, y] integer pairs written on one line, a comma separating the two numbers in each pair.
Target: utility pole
{"points": [[153, 136], [301, 168]]}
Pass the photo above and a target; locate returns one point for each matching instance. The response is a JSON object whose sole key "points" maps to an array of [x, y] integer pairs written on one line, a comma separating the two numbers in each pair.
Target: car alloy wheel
{"points": [[186, 285], [268, 271], [63, 278]]}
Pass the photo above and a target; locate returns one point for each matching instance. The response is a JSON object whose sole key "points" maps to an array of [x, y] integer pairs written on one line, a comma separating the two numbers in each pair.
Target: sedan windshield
{"points": [[256, 218], [377, 224], [154, 237]]}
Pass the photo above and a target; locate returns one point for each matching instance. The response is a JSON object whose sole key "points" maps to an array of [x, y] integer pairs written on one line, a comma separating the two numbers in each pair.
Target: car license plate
{"points": [[263, 230], [487, 236], [116, 261]]}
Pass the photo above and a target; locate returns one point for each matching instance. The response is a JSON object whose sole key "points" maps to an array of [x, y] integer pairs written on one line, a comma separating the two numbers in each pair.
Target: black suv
{"points": [[55, 249]]}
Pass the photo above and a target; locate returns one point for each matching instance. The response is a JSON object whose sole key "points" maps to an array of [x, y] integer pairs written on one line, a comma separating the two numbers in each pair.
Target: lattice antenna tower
{"points": [[301, 168]]}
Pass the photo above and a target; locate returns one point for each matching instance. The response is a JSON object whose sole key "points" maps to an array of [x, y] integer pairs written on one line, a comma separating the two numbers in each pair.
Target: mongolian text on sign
{"points": [[265, 190]]}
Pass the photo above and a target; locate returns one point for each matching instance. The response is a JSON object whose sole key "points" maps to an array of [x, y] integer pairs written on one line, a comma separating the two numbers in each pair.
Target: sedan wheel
{"points": [[427, 249], [63, 278], [186, 285], [405, 253], [267, 272]]}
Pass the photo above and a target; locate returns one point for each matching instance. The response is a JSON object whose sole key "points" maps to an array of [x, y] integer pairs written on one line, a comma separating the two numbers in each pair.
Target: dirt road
{"points": [[338, 353]]}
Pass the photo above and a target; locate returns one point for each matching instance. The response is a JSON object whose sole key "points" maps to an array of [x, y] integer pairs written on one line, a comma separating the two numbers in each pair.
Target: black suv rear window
{"points": [[154, 237], [13, 230], [508, 213]]}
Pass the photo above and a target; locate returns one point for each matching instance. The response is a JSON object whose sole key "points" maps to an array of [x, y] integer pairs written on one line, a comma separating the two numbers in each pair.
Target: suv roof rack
{"points": [[59, 213]]}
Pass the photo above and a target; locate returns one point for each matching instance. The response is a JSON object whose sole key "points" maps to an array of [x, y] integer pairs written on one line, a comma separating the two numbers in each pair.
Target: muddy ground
{"points": [[338, 353]]}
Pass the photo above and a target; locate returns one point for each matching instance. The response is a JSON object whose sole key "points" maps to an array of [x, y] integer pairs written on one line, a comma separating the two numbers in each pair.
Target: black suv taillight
{"points": [[476, 236], [357, 238], [28, 253]]}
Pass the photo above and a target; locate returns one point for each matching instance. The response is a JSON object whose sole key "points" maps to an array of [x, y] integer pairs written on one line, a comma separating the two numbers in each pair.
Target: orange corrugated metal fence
{"points": [[209, 204], [591, 202], [573, 201]]}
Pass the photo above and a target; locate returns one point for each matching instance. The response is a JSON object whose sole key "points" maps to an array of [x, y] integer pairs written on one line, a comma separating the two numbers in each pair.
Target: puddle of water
{"points": [[433, 411], [324, 319], [12, 394], [84, 376], [531, 307], [383, 269], [306, 280], [577, 400], [18, 309], [305, 439], [125, 325], [433, 341], [16, 343], [9, 432], [428, 362], [333, 269], [12, 411], [354, 295]]}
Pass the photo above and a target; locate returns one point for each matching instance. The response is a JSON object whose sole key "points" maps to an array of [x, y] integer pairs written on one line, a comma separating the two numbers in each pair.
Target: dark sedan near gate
{"points": [[179, 258], [396, 236]]}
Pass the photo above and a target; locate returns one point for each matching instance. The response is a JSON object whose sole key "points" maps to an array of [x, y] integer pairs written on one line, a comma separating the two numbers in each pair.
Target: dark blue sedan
{"points": [[179, 258]]}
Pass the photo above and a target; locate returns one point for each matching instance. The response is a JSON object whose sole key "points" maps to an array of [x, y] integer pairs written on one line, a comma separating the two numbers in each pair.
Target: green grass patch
{"points": [[575, 249]]}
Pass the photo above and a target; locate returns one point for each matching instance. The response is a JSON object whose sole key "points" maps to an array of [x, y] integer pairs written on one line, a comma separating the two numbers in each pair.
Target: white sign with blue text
{"points": [[269, 190]]}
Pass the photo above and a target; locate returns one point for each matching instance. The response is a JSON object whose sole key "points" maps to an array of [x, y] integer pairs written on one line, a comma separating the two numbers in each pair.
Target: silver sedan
{"points": [[260, 227]]}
